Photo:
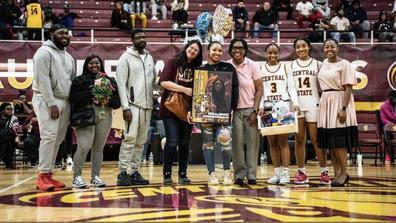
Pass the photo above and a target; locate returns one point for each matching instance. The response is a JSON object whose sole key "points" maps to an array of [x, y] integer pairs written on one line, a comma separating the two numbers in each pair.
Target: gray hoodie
{"points": [[53, 70], [135, 79]]}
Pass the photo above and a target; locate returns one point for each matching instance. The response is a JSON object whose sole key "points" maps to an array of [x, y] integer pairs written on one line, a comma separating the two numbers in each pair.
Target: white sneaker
{"points": [[274, 179], [284, 179], [227, 178], [78, 182], [154, 18], [97, 182], [213, 179]]}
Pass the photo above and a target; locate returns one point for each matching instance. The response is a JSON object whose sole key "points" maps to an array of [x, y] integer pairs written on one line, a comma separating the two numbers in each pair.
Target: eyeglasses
{"points": [[240, 48]]}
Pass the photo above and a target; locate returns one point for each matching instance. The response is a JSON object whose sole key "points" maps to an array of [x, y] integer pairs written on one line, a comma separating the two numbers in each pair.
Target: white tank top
{"points": [[306, 79], [277, 85]]}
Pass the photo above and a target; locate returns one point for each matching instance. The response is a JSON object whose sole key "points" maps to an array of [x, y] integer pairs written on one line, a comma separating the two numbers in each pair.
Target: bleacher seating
{"points": [[96, 15]]}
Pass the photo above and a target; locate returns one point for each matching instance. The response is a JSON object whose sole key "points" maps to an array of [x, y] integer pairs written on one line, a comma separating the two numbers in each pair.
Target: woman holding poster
{"points": [[279, 89], [218, 132]]}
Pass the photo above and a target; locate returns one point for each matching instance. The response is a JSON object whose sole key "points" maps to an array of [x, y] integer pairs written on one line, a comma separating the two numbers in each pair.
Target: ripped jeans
{"points": [[212, 133]]}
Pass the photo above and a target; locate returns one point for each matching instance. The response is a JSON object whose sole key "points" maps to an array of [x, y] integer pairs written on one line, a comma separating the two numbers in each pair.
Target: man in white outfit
{"points": [[135, 79], [54, 70]]}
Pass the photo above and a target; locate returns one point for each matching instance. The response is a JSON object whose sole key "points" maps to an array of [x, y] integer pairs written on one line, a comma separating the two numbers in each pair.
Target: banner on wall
{"points": [[375, 64]]}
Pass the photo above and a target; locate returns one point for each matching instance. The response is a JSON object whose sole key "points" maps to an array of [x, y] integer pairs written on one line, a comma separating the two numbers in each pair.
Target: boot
{"points": [[56, 183], [43, 182]]}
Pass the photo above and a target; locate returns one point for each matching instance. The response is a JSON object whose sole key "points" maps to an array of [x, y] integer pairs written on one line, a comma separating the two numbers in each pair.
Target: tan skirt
{"points": [[331, 133]]}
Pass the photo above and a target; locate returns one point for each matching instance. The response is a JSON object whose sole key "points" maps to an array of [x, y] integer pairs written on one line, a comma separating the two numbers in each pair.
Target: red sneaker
{"points": [[44, 183], [56, 183], [324, 178], [301, 178]]}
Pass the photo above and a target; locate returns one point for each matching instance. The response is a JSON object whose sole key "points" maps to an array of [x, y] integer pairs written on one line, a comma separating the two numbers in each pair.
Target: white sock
{"points": [[323, 169], [302, 169]]}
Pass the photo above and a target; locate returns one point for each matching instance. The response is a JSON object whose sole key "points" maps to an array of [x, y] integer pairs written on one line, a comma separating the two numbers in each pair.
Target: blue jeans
{"points": [[177, 134], [212, 133], [349, 35], [257, 28]]}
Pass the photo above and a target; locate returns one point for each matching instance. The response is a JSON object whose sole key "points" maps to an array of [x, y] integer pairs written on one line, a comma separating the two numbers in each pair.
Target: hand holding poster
{"points": [[212, 97]]}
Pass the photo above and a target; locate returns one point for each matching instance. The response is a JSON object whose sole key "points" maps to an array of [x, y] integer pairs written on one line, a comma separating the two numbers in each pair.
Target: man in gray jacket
{"points": [[54, 70], [135, 78]]}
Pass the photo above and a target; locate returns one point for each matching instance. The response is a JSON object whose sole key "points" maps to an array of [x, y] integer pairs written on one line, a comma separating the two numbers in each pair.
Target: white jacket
{"points": [[135, 79]]}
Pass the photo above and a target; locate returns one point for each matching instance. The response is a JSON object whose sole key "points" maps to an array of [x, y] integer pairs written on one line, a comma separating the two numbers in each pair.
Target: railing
{"points": [[184, 32]]}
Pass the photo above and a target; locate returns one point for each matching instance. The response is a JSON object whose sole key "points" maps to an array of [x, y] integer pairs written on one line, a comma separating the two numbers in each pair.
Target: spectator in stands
{"points": [[91, 137], [357, 17], [178, 131], [156, 125], [388, 114], [15, 13], [135, 78], [32, 141], [4, 18], [244, 123], [34, 20], [137, 11], [340, 23], [304, 10], [383, 28], [8, 125], [21, 106], [265, 19], [50, 18], [119, 17], [158, 5], [318, 27], [179, 12], [240, 18], [67, 18], [394, 15], [321, 6], [282, 6], [50, 102]]}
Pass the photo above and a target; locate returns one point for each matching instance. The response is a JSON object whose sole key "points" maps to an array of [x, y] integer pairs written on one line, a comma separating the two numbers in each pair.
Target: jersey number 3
{"points": [[273, 88]]}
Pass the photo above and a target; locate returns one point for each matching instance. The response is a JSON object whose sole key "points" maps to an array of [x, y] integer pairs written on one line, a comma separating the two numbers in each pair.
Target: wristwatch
{"points": [[255, 111], [343, 107]]}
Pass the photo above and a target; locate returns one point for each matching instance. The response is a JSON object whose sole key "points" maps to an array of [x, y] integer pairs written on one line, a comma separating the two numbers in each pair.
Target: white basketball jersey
{"points": [[277, 85], [306, 79]]}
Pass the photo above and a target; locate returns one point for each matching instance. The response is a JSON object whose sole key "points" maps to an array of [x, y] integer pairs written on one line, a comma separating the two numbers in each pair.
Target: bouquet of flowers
{"points": [[102, 92]]}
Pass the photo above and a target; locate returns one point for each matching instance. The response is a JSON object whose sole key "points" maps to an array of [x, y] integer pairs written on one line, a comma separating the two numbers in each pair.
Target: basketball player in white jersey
{"points": [[304, 71], [278, 86]]}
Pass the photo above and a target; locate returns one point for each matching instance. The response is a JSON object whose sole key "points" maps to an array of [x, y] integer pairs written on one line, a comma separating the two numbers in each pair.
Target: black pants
{"points": [[177, 137], [7, 152], [31, 145], [180, 16], [65, 147]]}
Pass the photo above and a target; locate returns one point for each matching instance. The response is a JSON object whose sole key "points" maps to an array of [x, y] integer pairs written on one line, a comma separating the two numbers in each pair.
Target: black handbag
{"points": [[82, 117]]}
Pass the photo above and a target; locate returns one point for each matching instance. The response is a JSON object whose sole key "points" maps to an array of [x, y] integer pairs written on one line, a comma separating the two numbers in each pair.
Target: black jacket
{"points": [[80, 93], [265, 18]]}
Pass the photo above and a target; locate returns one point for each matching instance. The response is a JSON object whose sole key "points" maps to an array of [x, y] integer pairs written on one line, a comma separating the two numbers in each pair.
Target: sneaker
{"points": [[301, 178], [183, 179], [252, 181], [238, 181], [78, 182], [274, 179], [324, 178], [227, 178], [123, 179], [56, 183], [213, 179], [97, 182], [137, 179], [33, 164], [284, 178], [154, 18], [167, 180], [43, 182]]}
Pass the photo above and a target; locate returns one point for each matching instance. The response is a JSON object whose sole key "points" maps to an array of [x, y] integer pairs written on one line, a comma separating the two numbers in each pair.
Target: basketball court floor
{"points": [[369, 197]]}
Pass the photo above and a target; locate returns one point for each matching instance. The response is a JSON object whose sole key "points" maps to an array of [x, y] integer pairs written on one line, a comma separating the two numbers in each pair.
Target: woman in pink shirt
{"points": [[388, 113]]}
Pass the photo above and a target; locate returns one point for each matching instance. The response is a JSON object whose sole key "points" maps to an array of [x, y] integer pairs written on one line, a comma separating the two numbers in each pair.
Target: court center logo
{"points": [[366, 199], [392, 76]]}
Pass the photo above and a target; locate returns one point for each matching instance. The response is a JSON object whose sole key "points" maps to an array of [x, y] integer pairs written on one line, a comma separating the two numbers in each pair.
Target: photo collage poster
{"points": [[212, 97]]}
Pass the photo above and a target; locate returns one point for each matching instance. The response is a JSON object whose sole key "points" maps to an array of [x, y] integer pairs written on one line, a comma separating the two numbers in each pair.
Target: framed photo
{"points": [[273, 124], [212, 97]]}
